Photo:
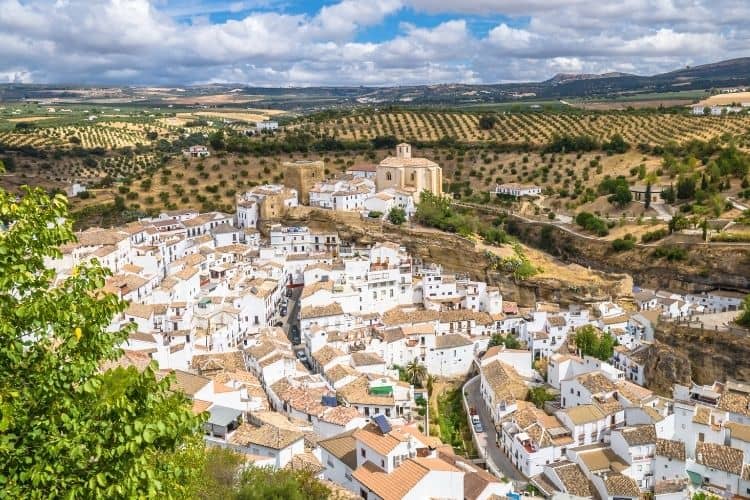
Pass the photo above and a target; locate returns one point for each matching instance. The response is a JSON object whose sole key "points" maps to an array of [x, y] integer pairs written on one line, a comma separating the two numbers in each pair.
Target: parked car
{"points": [[477, 423], [302, 356], [288, 292], [283, 310]]}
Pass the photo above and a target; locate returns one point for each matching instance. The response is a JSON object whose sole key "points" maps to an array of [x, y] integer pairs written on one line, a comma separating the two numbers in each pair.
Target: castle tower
{"points": [[302, 176]]}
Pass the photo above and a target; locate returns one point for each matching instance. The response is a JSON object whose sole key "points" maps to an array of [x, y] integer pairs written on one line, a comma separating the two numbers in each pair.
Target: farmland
{"points": [[529, 128]]}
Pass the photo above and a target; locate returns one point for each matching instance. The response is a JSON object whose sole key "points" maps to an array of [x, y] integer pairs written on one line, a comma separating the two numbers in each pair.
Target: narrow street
{"points": [[474, 399]]}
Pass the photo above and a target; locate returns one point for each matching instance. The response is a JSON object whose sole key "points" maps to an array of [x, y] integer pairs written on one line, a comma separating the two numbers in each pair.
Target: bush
{"points": [[671, 253], [487, 122], [655, 235], [397, 216], [591, 222], [623, 244], [374, 214]]}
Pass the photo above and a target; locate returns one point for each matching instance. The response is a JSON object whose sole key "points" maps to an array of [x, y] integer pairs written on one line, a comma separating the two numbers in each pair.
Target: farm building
{"points": [[196, 152], [517, 190], [266, 126]]}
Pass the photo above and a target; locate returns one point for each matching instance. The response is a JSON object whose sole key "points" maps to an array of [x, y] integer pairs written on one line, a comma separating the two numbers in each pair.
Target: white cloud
{"points": [[139, 41]]}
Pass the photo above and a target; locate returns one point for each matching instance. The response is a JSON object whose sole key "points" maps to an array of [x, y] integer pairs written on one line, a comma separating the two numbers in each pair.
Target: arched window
{"points": [[388, 176], [413, 176]]}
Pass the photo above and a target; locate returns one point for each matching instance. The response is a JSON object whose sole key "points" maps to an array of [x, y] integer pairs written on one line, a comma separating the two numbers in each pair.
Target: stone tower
{"points": [[302, 176]]}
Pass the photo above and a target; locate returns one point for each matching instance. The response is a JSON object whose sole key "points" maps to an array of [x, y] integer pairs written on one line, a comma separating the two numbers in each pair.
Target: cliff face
{"points": [[463, 255], [711, 355], [665, 367], [705, 267]]}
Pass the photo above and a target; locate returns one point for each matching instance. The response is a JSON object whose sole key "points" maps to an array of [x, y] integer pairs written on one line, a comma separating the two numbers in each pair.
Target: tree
{"points": [[216, 140], [744, 317], [397, 216], [487, 122], [622, 196], [416, 372], [589, 341], [647, 201], [539, 396], [67, 428]]}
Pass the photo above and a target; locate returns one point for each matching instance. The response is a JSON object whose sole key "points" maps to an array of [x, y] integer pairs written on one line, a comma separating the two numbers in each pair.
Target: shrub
{"points": [[623, 244], [591, 222], [654, 235], [671, 253]]}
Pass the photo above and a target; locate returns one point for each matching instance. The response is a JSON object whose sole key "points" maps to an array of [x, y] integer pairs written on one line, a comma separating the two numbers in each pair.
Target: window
{"points": [[388, 176], [701, 437], [363, 452]]}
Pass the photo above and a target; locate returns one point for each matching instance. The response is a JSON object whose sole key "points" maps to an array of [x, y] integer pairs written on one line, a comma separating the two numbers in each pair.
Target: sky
{"points": [[283, 43]]}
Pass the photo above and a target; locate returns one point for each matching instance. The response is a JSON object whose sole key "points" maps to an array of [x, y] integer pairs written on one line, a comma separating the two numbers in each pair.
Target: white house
{"points": [[516, 190], [196, 152]]}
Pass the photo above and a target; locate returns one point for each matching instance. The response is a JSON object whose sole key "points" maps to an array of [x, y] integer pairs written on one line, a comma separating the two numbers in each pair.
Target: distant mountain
{"points": [[730, 73], [568, 77]]}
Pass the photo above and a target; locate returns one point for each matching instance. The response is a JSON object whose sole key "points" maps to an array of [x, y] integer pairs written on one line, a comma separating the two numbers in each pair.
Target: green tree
{"points": [[416, 372], [67, 428], [397, 216], [744, 317], [487, 122], [589, 341], [622, 196], [647, 201], [539, 396]]}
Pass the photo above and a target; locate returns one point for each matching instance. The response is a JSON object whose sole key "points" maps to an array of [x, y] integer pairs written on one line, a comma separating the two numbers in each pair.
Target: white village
{"points": [[310, 352]]}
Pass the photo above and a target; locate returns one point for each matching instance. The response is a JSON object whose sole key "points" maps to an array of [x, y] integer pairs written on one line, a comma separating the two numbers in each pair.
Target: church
{"points": [[410, 175]]}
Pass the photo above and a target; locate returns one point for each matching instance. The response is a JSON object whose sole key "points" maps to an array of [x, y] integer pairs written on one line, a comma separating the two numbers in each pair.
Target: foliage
{"points": [[616, 145], [453, 423], [374, 214], [671, 253], [436, 211], [729, 237], [509, 341], [744, 317], [685, 188], [487, 122], [518, 264], [495, 236], [397, 216], [591, 222], [67, 428], [539, 396], [416, 372], [225, 477], [623, 244], [654, 235], [569, 143], [591, 343]]}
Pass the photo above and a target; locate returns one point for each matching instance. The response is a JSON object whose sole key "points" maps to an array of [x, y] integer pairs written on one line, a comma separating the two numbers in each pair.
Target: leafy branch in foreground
{"points": [[67, 428]]}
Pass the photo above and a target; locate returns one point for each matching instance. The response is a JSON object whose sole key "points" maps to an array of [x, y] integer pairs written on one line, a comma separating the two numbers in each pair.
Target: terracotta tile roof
{"points": [[338, 372], [639, 435], [633, 392], [671, 449], [357, 392], [381, 443], [735, 402], [621, 485], [306, 462], [266, 435], [596, 382], [400, 482], [342, 446], [138, 359], [557, 321], [719, 457], [584, 414], [702, 415], [326, 354], [366, 359], [231, 361], [451, 341], [333, 309], [187, 382], [144, 311], [313, 288], [504, 381], [199, 406], [739, 431], [340, 415], [573, 479]]}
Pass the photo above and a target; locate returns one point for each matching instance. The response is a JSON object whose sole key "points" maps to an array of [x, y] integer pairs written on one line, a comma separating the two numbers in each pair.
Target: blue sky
{"points": [[359, 42]]}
